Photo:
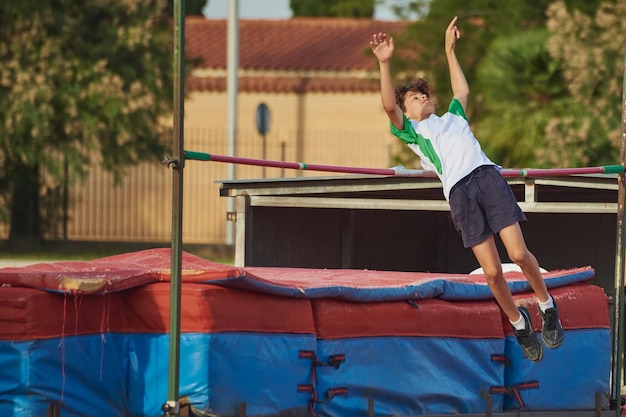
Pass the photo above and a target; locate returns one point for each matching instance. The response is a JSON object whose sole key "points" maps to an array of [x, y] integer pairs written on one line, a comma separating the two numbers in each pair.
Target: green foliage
{"points": [[480, 22], [192, 7], [590, 50], [79, 76], [404, 9], [521, 89], [332, 8]]}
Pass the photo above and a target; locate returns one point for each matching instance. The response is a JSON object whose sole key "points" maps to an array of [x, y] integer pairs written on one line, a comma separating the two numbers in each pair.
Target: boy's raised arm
{"points": [[460, 88], [382, 46]]}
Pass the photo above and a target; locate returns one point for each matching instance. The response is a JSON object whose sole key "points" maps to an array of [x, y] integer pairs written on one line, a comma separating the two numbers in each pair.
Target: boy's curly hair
{"points": [[417, 85]]}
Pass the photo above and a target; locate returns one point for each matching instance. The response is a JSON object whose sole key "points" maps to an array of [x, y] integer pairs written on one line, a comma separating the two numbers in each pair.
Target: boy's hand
{"points": [[452, 34], [382, 46]]}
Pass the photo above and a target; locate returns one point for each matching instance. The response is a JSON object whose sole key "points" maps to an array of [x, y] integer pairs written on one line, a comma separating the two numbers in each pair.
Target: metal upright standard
{"points": [[172, 406], [617, 358]]}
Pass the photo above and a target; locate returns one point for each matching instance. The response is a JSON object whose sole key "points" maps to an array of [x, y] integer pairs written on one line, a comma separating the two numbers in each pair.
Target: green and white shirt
{"points": [[445, 145]]}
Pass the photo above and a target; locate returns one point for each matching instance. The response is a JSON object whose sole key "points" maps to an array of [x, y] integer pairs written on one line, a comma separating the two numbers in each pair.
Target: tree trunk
{"points": [[25, 231]]}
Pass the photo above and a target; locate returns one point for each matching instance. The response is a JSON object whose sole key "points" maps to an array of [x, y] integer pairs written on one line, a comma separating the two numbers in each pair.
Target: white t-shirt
{"points": [[445, 145]]}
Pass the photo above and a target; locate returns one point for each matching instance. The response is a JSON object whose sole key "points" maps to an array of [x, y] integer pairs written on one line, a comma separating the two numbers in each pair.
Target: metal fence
{"points": [[139, 209]]}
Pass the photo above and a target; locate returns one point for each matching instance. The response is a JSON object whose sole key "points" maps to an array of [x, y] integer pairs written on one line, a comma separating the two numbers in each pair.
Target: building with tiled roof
{"points": [[288, 56]]}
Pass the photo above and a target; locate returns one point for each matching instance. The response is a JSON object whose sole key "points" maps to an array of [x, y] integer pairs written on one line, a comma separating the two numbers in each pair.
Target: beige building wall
{"points": [[320, 128], [330, 129]]}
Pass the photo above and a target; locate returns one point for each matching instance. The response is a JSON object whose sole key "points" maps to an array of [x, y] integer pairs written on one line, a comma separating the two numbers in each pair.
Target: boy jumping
{"points": [[481, 202]]}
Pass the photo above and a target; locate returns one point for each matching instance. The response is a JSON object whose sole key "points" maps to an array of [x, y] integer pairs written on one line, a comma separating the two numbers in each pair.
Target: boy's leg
{"points": [[487, 255], [515, 245], [552, 330]]}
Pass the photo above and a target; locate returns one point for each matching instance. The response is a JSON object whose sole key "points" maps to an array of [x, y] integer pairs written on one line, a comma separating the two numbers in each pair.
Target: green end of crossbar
{"points": [[198, 156], [613, 169]]}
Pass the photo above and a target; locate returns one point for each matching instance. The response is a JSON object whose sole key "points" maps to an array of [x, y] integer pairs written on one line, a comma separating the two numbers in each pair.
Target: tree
{"points": [[521, 88], [406, 9], [78, 78], [192, 7], [480, 21], [591, 52], [332, 8]]}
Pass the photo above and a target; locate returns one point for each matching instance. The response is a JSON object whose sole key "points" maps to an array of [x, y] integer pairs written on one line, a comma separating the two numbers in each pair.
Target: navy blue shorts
{"points": [[482, 204]]}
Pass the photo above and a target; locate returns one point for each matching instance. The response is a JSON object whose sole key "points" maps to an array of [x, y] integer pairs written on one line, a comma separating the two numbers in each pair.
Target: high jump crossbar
{"points": [[397, 171]]}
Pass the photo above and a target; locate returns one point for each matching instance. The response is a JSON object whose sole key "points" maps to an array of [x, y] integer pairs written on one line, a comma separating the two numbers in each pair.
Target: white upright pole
{"points": [[232, 88]]}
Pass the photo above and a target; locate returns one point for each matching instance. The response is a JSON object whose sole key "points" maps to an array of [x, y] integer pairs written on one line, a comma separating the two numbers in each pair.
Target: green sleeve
{"points": [[410, 136], [407, 134], [456, 108]]}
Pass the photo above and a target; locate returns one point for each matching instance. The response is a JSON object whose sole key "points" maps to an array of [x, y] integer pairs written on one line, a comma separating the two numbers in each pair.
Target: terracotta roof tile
{"points": [[336, 46], [286, 84]]}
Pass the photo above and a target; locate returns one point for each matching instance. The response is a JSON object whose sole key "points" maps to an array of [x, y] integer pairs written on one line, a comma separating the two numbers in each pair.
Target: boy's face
{"points": [[418, 105]]}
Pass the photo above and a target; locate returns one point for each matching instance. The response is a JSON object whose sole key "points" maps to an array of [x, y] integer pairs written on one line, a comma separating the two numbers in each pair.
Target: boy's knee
{"points": [[493, 273], [520, 257]]}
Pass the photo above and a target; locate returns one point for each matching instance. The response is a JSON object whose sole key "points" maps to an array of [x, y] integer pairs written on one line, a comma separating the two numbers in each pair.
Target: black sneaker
{"points": [[552, 331], [528, 340]]}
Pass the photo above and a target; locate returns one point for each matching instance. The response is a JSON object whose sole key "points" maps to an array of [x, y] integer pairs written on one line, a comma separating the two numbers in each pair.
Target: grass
{"points": [[83, 251]]}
